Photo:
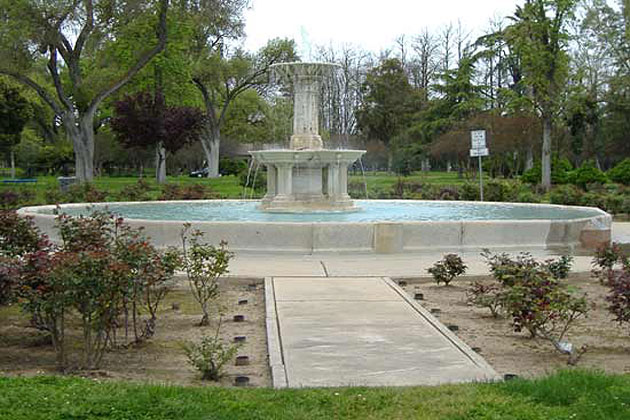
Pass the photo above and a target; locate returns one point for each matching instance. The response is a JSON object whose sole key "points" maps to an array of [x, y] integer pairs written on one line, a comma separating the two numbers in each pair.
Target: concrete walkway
{"points": [[371, 265], [360, 331], [361, 265]]}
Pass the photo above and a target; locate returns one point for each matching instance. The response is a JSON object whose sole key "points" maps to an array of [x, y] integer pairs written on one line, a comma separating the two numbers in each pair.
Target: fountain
{"points": [[306, 177], [307, 208]]}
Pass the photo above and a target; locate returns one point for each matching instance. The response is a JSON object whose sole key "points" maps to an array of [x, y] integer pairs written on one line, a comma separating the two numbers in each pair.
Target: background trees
{"points": [[81, 73], [553, 76]]}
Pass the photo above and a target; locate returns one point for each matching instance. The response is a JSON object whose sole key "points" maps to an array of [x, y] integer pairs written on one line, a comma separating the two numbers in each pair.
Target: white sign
{"points": [[478, 138], [479, 152]]}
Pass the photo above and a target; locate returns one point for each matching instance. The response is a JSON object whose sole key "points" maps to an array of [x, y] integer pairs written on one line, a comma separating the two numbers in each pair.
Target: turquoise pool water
{"points": [[369, 211]]}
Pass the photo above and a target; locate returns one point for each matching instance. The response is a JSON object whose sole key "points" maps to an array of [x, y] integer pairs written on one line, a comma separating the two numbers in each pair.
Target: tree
{"points": [[538, 34], [222, 79], [14, 114], [388, 102], [84, 72], [145, 120]]}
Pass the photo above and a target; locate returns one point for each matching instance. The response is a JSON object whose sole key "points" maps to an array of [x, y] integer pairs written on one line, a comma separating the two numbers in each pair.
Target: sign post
{"points": [[479, 149]]}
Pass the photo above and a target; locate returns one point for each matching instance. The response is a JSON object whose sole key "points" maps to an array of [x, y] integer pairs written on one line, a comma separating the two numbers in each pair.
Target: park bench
{"points": [[19, 181]]}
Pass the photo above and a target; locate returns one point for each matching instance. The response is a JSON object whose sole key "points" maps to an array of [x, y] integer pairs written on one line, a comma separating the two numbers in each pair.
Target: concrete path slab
{"points": [[364, 265], [364, 331], [621, 232]]}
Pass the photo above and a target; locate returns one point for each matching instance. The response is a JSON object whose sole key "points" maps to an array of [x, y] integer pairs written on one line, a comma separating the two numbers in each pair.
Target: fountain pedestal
{"points": [[306, 177], [307, 180]]}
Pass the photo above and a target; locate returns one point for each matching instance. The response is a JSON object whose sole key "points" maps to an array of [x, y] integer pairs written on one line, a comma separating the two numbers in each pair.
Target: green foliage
{"points": [[232, 166], [135, 192], [18, 234], [102, 269], [496, 190], [486, 296], [571, 393], [204, 264], [621, 172], [185, 192], [612, 268], [566, 195], [560, 169], [535, 299], [388, 102], [15, 112], [447, 269], [13, 199], [587, 174], [210, 355], [257, 180], [469, 192]]}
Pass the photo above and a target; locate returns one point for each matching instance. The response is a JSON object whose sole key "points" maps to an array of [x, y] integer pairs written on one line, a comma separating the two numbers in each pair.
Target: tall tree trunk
{"points": [[12, 163], [160, 163], [529, 159], [81, 134], [211, 140], [546, 153]]}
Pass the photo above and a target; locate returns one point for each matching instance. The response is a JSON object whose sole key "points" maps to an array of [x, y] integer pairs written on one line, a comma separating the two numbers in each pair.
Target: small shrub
{"points": [[606, 260], [621, 172], [560, 268], [535, 299], [257, 180], [185, 192], [592, 199], [566, 195], [11, 199], [559, 172], [619, 295], [204, 264], [587, 174], [445, 270], [232, 166], [469, 192], [614, 203], [486, 296], [210, 355], [448, 193], [7, 266], [84, 193], [18, 234], [135, 192], [527, 197], [501, 191]]}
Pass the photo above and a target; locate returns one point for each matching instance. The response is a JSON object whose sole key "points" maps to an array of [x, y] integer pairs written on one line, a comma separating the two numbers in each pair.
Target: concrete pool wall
{"points": [[586, 233]]}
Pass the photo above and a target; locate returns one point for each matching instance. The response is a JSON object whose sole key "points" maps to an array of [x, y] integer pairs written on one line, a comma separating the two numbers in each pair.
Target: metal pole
{"points": [[480, 179]]}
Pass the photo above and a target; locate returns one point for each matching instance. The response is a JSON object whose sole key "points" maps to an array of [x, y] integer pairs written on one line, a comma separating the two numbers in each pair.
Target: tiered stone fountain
{"points": [[306, 177]]}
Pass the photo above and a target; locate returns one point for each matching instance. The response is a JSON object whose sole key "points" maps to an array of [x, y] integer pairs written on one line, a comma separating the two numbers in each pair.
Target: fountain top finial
{"points": [[291, 71], [306, 79]]}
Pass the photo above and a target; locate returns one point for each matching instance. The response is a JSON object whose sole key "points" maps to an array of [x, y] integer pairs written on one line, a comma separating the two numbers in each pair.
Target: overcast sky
{"points": [[370, 24]]}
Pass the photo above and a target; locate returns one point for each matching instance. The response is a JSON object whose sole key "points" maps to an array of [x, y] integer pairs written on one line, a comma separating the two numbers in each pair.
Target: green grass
{"points": [[564, 395], [224, 187]]}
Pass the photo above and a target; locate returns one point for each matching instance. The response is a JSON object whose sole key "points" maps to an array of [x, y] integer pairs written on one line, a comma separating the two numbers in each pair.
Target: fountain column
{"points": [[271, 183], [284, 181], [306, 111], [343, 181]]}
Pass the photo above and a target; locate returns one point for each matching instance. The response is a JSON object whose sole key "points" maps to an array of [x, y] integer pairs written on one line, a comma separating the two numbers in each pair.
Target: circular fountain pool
{"points": [[379, 226]]}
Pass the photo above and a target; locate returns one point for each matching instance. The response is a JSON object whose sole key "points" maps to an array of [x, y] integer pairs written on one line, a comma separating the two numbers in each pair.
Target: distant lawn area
{"points": [[226, 187], [564, 395]]}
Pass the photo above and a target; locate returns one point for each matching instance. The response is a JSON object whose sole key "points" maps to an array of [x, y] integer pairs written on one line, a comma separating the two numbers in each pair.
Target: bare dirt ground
{"points": [[510, 352], [25, 351]]}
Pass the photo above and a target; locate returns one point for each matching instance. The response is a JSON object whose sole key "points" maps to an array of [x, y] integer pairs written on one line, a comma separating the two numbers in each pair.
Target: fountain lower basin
{"points": [[383, 226]]}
